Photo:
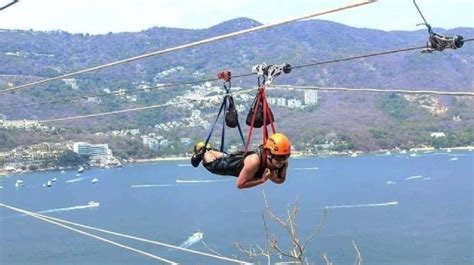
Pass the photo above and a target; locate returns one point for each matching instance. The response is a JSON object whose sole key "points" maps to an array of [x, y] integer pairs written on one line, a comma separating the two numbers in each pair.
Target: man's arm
{"points": [[246, 176], [277, 176]]}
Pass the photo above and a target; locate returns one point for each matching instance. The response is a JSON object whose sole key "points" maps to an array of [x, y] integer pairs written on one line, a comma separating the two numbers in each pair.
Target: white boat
{"points": [[49, 183], [54, 180], [19, 183], [80, 170], [62, 171], [94, 180], [93, 204], [403, 152]]}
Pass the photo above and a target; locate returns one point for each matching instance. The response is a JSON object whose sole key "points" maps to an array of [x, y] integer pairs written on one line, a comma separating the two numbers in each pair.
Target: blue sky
{"points": [[103, 16]]}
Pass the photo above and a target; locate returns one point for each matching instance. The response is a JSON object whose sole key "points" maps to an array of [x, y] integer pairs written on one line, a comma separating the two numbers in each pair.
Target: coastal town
{"points": [[73, 155]]}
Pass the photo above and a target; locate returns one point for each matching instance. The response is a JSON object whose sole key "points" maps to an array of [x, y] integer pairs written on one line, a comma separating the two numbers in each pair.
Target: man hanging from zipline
{"points": [[252, 168], [270, 160]]}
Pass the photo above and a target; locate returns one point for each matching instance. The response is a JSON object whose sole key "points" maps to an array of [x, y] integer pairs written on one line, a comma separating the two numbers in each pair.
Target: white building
{"points": [[82, 148], [295, 103], [19, 124], [185, 141], [154, 144], [438, 134], [310, 97]]}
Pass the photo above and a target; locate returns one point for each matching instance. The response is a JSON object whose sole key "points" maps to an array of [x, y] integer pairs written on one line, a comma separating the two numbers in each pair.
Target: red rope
{"points": [[261, 99]]}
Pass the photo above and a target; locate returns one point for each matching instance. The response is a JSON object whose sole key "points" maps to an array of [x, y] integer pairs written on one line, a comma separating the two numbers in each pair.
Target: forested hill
{"points": [[30, 55], [46, 54]]}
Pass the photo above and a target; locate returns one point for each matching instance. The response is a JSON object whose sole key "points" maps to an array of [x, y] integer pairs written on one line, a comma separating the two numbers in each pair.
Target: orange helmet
{"points": [[278, 144]]}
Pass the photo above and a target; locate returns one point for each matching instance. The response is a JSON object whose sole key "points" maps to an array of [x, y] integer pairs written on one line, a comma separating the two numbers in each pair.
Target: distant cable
{"points": [[38, 216], [400, 91], [136, 109], [365, 56], [108, 94], [209, 40], [8, 5], [215, 79], [124, 235]]}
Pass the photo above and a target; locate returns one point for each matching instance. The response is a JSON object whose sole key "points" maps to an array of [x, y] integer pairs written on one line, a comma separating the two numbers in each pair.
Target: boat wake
{"points": [[91, 204], [201, 181], [195, 238], [393, 203], [307, 168], [414, 177], [184, 165], [76, 180], [152, 185]]}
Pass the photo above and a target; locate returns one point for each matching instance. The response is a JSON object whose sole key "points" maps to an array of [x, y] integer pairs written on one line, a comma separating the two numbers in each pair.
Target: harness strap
{"points": [[214, 125], [227, 102], [260, 99], [249, 135]]}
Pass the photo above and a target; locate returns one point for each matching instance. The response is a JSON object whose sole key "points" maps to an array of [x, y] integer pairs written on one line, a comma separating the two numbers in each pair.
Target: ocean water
{"points": [[398, 209]]}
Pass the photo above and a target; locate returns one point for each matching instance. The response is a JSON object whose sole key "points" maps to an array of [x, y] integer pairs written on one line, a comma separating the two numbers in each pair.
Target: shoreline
{"points": [[294, 155]]}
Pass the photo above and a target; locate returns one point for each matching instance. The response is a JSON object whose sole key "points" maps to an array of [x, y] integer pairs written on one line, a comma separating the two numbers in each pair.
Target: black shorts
{"points": [[226, 165]]}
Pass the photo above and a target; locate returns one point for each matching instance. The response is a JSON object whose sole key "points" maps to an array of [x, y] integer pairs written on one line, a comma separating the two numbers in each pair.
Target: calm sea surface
{"points": [[399, 210]]}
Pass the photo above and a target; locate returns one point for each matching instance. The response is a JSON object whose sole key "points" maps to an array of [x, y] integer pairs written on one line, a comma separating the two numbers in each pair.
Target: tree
{"points": [[298, 247], [69, 158]]}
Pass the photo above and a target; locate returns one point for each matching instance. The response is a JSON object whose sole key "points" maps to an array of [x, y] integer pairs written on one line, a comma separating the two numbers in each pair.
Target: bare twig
{"points": [[318, 228], [270, 212], [328, 262]]}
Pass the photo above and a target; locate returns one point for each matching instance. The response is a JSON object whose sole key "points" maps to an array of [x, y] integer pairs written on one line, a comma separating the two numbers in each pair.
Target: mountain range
{"points": [[369, 121]]}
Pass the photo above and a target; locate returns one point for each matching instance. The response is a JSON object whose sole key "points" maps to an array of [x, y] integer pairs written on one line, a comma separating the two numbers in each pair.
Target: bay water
{"points": [[398, 209]]}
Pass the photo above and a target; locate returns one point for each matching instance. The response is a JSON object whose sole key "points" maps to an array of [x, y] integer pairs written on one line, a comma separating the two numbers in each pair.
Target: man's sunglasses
{"points": [[280, 157]]}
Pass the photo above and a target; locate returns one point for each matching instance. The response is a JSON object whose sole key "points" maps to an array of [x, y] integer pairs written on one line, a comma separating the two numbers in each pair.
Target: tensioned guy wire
{"points": [[123, 235], [398, 91], [38, 216]]}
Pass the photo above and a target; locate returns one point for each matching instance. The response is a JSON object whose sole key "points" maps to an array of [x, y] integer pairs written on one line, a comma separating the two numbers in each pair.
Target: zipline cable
{"points": [[8, 5], [215, 79], [38, 216], [126, 236], [365, 56], [137, 109], [197, 43], [398, 91]]}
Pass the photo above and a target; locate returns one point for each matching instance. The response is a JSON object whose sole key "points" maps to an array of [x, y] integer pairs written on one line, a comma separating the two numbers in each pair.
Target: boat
{"points": [[94, 180], [49, 183], [80, 170], [62, 171], [19, 183], [54, 180], [93, 204]]}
